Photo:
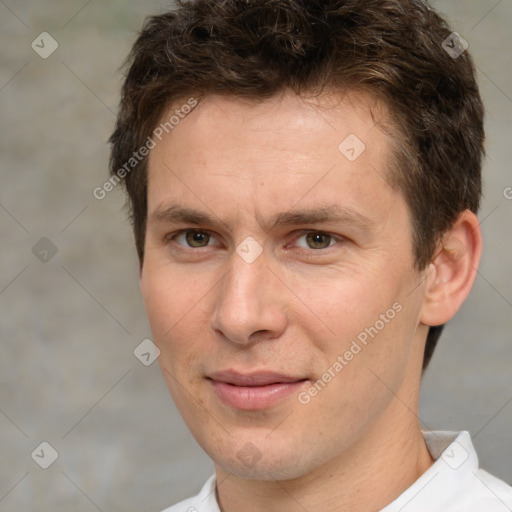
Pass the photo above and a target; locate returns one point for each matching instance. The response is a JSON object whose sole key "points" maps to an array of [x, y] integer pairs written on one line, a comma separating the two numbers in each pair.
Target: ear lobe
{"points": [[452, 272]]}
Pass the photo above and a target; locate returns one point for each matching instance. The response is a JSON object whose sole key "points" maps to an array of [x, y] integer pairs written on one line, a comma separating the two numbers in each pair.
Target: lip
{"points": [[253, 391]]}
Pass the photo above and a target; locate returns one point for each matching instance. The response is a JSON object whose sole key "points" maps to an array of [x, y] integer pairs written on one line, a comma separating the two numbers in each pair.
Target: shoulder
{"points": [[490, 493], [465, 485], [183, 506], [455, 482], [204, 502]]}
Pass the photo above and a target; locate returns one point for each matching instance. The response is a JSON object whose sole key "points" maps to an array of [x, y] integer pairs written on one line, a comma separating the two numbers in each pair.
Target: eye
{"points": [[192, 238], [316, 240]]}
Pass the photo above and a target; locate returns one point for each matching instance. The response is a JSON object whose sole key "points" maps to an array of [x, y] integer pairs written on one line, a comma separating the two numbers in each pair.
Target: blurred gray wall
{"points": [[71, 315]]}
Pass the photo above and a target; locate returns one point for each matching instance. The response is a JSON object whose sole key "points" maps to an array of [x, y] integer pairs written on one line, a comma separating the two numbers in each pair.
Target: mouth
{"points": [[254, 391]]}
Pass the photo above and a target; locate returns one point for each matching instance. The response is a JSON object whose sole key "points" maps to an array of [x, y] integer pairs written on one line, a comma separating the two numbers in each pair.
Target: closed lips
{"points": [[254, 379]]}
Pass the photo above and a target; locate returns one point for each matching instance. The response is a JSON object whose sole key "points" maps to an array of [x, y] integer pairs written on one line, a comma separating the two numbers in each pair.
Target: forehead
{"points": [[280, 121], [261, 155]]}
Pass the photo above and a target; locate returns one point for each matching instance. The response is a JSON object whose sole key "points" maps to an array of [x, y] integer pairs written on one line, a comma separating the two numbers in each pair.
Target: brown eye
{"points": [[318, 240], [197, 238]]}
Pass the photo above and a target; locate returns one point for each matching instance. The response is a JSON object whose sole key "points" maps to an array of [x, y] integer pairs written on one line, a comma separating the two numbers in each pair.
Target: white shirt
{"points": [[454, 483]]}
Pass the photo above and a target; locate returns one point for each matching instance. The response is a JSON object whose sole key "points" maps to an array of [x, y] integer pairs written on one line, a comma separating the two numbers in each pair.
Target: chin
{"points": [[271, 463], [265, 471]]}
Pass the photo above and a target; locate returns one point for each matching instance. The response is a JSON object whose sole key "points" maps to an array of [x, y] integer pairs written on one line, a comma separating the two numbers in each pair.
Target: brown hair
{"points": [[398, 50]]}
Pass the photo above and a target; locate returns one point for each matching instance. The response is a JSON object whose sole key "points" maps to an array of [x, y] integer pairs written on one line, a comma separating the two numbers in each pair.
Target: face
{"points": [[279, 281]]}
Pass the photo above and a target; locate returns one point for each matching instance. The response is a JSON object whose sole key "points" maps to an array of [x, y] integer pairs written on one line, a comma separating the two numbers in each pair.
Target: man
{"points": [[303, 180]]}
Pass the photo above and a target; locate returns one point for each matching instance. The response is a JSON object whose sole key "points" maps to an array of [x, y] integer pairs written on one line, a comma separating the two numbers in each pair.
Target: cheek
{"points": [[158, 301], [361, 318], [175, 307], [168, 296], [345, 304]]}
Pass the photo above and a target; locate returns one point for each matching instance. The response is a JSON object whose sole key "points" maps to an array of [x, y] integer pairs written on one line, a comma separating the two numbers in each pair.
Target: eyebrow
{"points": [[335, 213]]}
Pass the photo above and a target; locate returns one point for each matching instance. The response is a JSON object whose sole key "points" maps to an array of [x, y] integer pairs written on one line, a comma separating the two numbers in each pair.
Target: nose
{"points": [[249, 306]]}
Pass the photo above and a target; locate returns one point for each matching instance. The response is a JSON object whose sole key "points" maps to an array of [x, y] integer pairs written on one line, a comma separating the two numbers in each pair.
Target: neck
{"points": [[383, 463]]}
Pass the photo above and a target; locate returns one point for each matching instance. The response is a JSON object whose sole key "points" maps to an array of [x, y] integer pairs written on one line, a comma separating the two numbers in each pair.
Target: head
{"points": [[345, 118]]}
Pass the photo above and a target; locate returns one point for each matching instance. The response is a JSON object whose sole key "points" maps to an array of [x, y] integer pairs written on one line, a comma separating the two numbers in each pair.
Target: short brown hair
{"points": [[398, 50]]}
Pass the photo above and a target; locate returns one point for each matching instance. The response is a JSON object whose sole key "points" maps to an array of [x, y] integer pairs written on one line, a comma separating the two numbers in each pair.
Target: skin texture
{"points": [[356, 445]]}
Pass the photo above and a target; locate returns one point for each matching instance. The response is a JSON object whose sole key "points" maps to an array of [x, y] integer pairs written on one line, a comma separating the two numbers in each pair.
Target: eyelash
{"points": [[337, 239]]}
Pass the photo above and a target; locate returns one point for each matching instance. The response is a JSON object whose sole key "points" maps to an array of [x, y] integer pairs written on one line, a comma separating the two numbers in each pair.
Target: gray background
{"points": [[69, 325]]}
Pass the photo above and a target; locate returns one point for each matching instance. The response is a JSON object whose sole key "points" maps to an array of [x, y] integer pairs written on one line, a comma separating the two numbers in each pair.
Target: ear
{"points": [[451, 274]]}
